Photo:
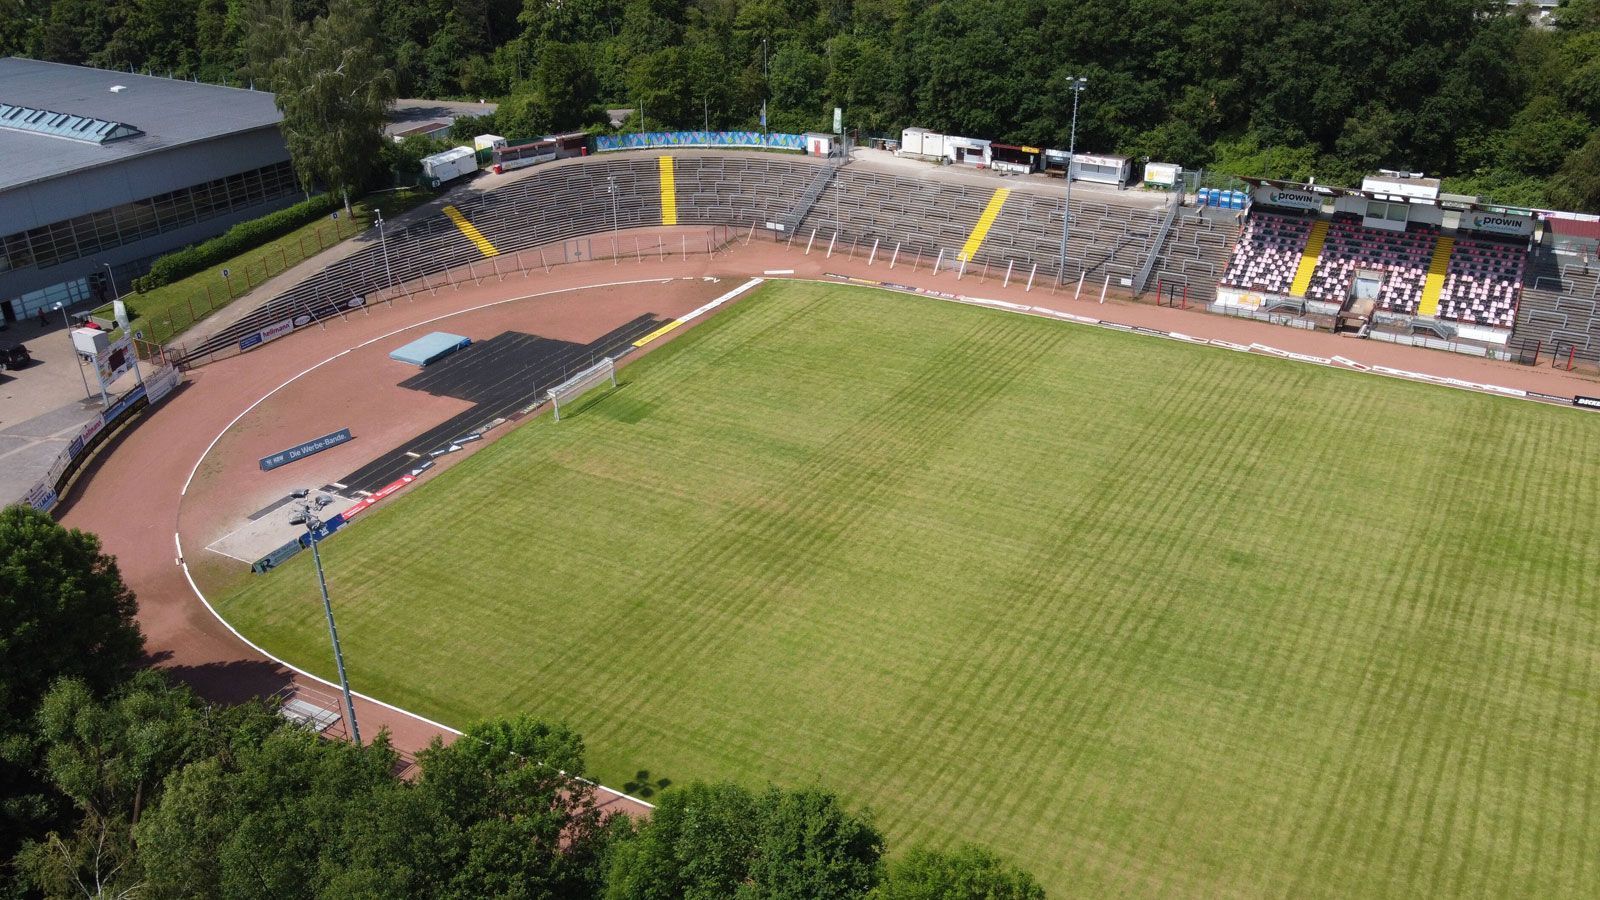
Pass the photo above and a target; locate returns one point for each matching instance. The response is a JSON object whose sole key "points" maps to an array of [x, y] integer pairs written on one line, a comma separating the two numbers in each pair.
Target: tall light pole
{"points": [[384, 243], [115, 294], [765, 90], [611, 188], [1076, 84], [306, 515]]}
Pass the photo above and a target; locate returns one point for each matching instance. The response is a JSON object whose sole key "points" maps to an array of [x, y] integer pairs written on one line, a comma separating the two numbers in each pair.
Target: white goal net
{"points": [[601, 372]]}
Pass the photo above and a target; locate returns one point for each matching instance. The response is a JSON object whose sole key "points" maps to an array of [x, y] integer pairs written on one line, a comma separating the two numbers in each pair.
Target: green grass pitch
{"points": [[1152, 619]]}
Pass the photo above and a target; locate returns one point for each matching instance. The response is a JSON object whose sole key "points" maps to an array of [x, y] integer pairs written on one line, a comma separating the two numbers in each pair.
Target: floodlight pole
{"points": [[115, 294], [1077, 84], [311, 524], [611, 188], [384, 243]]}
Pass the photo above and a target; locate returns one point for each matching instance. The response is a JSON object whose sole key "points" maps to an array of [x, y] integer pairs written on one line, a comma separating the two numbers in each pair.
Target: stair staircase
{"points": [[1437, 268], [1308, 258], [792, 219]]}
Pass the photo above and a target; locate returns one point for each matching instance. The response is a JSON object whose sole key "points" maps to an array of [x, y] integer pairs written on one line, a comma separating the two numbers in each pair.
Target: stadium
{"points": [[860, 480]]}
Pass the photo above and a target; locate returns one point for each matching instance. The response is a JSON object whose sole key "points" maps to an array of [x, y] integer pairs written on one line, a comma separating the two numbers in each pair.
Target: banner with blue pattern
{"points": [[652, 139]]}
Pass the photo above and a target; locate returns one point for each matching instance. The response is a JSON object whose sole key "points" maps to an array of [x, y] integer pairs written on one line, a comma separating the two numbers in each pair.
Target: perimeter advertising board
{"points": [[1287, 198], [1501, 223]]}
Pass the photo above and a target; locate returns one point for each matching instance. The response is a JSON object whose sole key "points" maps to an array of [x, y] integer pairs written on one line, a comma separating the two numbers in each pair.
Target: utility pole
{"points": [[1077, 84]]}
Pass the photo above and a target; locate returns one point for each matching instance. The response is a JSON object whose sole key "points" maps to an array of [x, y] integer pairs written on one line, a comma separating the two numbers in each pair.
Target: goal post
{"points": [[601, 372]]}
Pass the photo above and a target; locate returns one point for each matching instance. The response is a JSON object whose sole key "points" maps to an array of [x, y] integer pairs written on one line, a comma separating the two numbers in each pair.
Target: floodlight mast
{"points": [[1077, 85], [305, 516]]}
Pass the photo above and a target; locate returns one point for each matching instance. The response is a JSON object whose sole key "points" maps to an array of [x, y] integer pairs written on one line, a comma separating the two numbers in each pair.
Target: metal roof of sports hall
{"points": [[164, 112]]}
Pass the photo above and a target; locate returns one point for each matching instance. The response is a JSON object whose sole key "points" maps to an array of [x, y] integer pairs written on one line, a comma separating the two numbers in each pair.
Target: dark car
{"points": [[13, 355]]}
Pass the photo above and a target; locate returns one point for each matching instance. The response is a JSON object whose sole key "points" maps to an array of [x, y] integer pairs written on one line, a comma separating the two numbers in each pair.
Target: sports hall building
{"points": [[101, 172]]}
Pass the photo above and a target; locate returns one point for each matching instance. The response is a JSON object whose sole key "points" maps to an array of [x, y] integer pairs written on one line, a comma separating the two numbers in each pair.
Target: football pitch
{"points": [[1151, 619]]}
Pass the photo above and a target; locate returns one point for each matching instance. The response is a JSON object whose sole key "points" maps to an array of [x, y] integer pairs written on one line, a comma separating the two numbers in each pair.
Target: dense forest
{"points": [[1327, 88]]}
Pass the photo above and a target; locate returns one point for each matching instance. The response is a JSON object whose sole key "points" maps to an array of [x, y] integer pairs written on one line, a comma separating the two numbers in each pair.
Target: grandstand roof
{"points": [[144, 114], [1562, 226]]}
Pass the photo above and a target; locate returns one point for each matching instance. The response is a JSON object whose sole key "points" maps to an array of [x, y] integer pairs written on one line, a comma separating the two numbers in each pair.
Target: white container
{"points": [[449, 165]]}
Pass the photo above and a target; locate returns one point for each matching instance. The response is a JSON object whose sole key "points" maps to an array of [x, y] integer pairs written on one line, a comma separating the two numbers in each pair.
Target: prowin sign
{"points": [[1287, 199], [1502, 223]]}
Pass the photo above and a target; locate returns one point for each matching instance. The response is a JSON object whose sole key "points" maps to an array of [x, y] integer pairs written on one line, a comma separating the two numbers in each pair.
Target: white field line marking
{"points": [[695, 314]]}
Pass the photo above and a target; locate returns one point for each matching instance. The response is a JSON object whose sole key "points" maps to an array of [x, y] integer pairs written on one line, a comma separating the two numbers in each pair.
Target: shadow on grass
{"points": [[613, 403], [645, 787]]}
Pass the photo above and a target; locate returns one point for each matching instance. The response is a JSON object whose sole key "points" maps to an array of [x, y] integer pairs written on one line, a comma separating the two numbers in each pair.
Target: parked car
{"points": [[13, 355]]}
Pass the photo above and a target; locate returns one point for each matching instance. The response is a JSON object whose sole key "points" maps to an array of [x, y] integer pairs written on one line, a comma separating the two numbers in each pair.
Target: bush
{"points": [[236, 240]]}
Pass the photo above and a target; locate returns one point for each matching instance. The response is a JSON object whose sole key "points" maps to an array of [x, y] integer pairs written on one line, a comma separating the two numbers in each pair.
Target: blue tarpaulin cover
{"points": [[430, 349]]}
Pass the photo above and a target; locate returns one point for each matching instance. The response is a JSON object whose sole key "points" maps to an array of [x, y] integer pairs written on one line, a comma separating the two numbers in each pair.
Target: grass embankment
{"points": [[167, 311], [1156, 620]]}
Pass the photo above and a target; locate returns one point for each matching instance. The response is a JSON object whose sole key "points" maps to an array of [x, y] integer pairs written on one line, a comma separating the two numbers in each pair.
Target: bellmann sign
{"points": [[317, 445]]}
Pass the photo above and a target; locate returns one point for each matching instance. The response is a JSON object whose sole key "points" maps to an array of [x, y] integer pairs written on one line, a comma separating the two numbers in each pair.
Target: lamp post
{"points": [[307, 516], [384, 243], [115, 294], [611, 188], [1076, 84]]}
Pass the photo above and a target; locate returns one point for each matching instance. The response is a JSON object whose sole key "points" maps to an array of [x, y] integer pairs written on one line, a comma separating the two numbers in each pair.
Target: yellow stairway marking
{"points": [[1434, 285], [658, 332], [1308, 259], [669, 193], [981, 230], [471, 231]]}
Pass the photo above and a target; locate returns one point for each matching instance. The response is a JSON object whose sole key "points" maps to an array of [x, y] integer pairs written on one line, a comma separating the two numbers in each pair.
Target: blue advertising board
{"points": [[317, 445]]}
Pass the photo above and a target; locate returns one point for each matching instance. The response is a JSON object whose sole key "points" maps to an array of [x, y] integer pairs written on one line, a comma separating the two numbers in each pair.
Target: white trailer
{"points": [[966, 151], [449, 165], [921, 142]]}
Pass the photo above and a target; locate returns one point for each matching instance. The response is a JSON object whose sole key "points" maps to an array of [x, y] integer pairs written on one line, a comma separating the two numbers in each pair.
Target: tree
{"points": [[271, 817], [1577, 185], [707, 841], [966, 873], [698, 845], [809, 846], [513, 819], [64, 613], [111, 757], [332, 87]]}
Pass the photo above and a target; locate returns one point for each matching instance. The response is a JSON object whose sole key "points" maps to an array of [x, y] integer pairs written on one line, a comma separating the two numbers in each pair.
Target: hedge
{"points": [[240, 238]]}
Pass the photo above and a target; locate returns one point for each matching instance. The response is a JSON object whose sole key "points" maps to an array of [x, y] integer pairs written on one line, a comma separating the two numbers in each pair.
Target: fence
{"points": [[1560, 354], [152, 390], [171, 308]]}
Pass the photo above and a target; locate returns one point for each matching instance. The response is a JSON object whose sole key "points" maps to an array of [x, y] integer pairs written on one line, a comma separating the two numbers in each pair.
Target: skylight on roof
{"points": [[66, 125]]}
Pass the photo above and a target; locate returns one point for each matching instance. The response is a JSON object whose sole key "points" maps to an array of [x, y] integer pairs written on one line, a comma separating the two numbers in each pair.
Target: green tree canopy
{"points": [[966, 873], [707, 841], [332, 86], [64, 613]]}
